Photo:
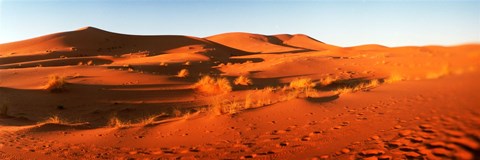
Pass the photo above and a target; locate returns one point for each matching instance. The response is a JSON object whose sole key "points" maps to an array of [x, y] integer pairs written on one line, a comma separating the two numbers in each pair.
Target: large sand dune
{"points": [[94, 94]]}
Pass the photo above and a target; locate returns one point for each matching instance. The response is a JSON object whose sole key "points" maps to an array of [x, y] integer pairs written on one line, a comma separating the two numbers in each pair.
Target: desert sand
{"points": [[94, 94]]}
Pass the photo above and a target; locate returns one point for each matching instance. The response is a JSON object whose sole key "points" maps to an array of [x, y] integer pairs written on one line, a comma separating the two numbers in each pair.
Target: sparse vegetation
{"points": [[148, 120], [327, 81], [176, 112], [209, 85], [442, 72], [220, 105], [394, 78], [183, 73], [117, 123], [359, 87], [55, 83], [54, 120], [302, 86], [242, 80]]}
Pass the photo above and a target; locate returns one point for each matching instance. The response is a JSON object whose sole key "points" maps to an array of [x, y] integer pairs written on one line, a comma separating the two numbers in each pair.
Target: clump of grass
{"points": [[209, 85], [183, 73], [360, 87], [394, 78], [242, 80], [327, 81], [148, 120], [115, 122], [54, 120], [302, 86], [442, 72], [176, 112], [302, 83], [220, 105], [55, 83]]}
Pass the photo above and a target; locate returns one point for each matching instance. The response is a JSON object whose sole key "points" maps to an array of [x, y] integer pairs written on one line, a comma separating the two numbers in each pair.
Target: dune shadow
{"points": [[323, 99], [97, 103], [244, 60]]}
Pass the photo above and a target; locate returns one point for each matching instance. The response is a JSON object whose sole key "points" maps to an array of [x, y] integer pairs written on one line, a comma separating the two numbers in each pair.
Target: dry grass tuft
{"points": [[302, 83], [327, 81], [220, 105], [183, 73], [209, 85], [301, 86], [54, 120], [148, 120], [55, 83], [360, 87], [442, 72], [176, 112], [117, 123], [242, 80], [394, 78]]}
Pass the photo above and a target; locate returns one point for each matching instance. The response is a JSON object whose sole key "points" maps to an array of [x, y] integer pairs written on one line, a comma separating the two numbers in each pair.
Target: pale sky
{"points": [[342, 23]]}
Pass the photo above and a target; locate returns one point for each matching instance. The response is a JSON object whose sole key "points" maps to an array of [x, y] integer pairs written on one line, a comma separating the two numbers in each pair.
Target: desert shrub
{"points": [[254, 99], [117, 123], [302, 83], [327, 81], [242, 80], [248, 101], [209, 85], [220, 105], [176, 112], [54, 120], [302, 86], [394, 78], [55, 83], [359, 87], [148, 120], [183, 73], [438, 74]]}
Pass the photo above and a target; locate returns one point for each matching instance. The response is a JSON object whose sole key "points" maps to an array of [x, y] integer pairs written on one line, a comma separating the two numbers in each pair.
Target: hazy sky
{"points": [[343, 23]]}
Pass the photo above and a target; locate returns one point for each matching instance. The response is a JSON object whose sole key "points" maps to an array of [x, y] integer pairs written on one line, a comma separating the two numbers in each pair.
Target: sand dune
{"points": [[94, 94]]}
